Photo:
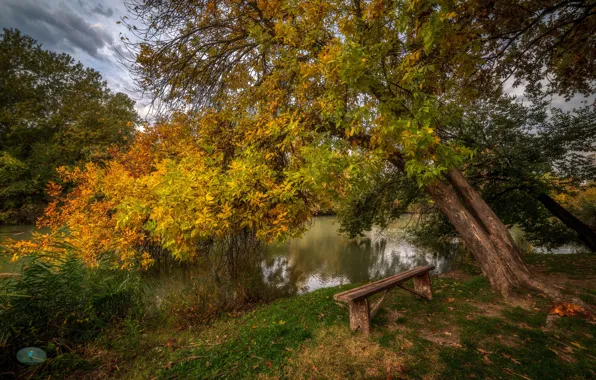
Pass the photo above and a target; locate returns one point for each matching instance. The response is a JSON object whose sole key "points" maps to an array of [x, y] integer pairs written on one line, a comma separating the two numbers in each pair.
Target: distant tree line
{"points": [[53, 112]]}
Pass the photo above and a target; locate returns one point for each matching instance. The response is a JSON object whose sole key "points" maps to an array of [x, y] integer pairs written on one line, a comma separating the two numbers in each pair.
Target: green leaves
{"points": [[53, 112]]}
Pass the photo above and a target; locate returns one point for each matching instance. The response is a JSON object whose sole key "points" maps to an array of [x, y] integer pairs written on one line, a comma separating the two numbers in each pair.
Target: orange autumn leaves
{"points": [[568, 310], [187, 181]]}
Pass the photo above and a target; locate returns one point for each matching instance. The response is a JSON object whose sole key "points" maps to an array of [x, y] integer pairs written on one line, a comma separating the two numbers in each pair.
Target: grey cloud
{"points": [[60, 28], [108, 12]]}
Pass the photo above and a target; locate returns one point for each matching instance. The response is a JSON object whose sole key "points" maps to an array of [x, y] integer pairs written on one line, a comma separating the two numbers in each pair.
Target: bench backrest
{"points": [[372, 288]]}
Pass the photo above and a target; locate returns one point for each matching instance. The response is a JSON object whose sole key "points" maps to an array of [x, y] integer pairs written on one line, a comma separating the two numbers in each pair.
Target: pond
{"points": [[322, 257]]}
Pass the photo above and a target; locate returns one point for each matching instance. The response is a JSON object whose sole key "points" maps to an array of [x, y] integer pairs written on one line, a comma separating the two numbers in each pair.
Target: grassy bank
{"points": [[467, 331]]}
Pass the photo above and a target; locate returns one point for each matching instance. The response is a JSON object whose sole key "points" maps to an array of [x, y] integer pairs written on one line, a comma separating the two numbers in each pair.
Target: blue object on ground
{"points": [[31, 355]]}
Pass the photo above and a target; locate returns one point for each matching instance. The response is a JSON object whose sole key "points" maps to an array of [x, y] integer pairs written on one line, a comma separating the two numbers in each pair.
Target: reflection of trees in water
{"points": [[323, 258], [394, 253]]}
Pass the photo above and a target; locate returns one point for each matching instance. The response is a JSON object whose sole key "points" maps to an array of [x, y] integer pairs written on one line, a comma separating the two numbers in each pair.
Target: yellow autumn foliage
{"points": [[193, 179]]}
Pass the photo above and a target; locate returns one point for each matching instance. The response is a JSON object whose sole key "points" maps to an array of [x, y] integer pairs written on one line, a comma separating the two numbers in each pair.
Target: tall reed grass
{"points": [[60, 301]]}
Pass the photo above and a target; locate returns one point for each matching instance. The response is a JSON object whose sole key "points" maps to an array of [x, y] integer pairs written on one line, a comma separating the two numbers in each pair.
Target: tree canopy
{"points": [[181, 187], [523, 154], [53, 112], [300, 102]]}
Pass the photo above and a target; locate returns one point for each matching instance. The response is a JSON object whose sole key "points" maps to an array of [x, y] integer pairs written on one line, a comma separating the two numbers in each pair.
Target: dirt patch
{"points": [[562, 280], [394, 315], [447, 336], [456, 274], [495, 310], [488, 309], [512, 341]]}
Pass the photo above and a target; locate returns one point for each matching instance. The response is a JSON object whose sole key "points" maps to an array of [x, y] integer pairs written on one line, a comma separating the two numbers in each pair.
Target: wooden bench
{"points": [[360, 311]]}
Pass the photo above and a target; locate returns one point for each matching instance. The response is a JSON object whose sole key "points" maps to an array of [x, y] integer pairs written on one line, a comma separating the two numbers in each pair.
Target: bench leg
{"points": [[375, 308], [422, 285], [359, 316]]}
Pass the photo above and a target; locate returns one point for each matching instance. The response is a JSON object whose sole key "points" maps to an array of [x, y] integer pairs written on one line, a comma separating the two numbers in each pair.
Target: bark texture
{"points": [[586, 234], [360, 316], [482, 231]]}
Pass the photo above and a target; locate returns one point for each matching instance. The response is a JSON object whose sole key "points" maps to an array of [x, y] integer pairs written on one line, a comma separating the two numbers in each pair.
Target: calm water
{"points": [[320, 258]]}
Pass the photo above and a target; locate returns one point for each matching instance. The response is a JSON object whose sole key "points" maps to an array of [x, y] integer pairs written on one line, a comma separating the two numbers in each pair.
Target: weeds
{"points": [[60, 302]]}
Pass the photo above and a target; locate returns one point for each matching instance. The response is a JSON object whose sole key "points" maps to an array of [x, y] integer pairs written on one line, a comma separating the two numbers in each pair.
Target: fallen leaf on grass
{"points": [[486, 360], [510, 358], [561, 355], [567, 310], [483, 352], [578, 345], [507, 370]]}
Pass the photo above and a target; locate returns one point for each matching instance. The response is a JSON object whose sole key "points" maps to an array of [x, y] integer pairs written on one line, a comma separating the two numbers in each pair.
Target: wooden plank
{"points": [[381, 285], [403, 276]]}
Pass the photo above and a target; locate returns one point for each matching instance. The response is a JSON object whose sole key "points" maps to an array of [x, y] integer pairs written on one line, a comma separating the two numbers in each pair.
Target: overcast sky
{"points": [[87, 30]]}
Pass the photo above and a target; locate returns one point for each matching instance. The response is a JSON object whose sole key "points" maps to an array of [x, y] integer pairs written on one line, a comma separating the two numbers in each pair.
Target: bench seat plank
{"points": [[381, 285]]}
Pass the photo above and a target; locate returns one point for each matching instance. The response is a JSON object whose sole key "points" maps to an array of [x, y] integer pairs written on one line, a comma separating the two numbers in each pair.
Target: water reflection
{"points": [[320, 258], [324, 258]]}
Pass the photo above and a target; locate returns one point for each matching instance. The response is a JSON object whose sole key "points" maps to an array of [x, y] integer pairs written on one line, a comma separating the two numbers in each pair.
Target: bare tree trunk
{"points": [[483, 232], [499, 261], [498, 235], [586, 234]]}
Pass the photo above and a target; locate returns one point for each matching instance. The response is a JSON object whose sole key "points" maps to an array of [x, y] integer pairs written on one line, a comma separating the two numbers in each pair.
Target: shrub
{"points": [[62, 301]]}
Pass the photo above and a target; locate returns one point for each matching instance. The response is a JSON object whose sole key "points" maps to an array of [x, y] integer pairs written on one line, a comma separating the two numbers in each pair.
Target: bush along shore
{"points": [[467, 331]]}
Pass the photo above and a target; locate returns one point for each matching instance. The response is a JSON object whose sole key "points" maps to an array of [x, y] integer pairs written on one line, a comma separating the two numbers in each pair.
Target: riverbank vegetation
{"points": [[467, 330]]}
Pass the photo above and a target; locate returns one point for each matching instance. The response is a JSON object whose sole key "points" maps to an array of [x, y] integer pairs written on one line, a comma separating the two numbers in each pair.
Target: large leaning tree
{"points": [[385, 77]]}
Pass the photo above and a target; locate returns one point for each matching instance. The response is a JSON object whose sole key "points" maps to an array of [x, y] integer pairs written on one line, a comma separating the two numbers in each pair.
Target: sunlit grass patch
{"points": [[337, 353]]}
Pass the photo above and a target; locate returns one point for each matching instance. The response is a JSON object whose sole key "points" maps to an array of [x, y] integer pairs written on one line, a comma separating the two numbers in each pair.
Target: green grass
{"points": [[261, 341], [466, 331], [577, 266]]}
